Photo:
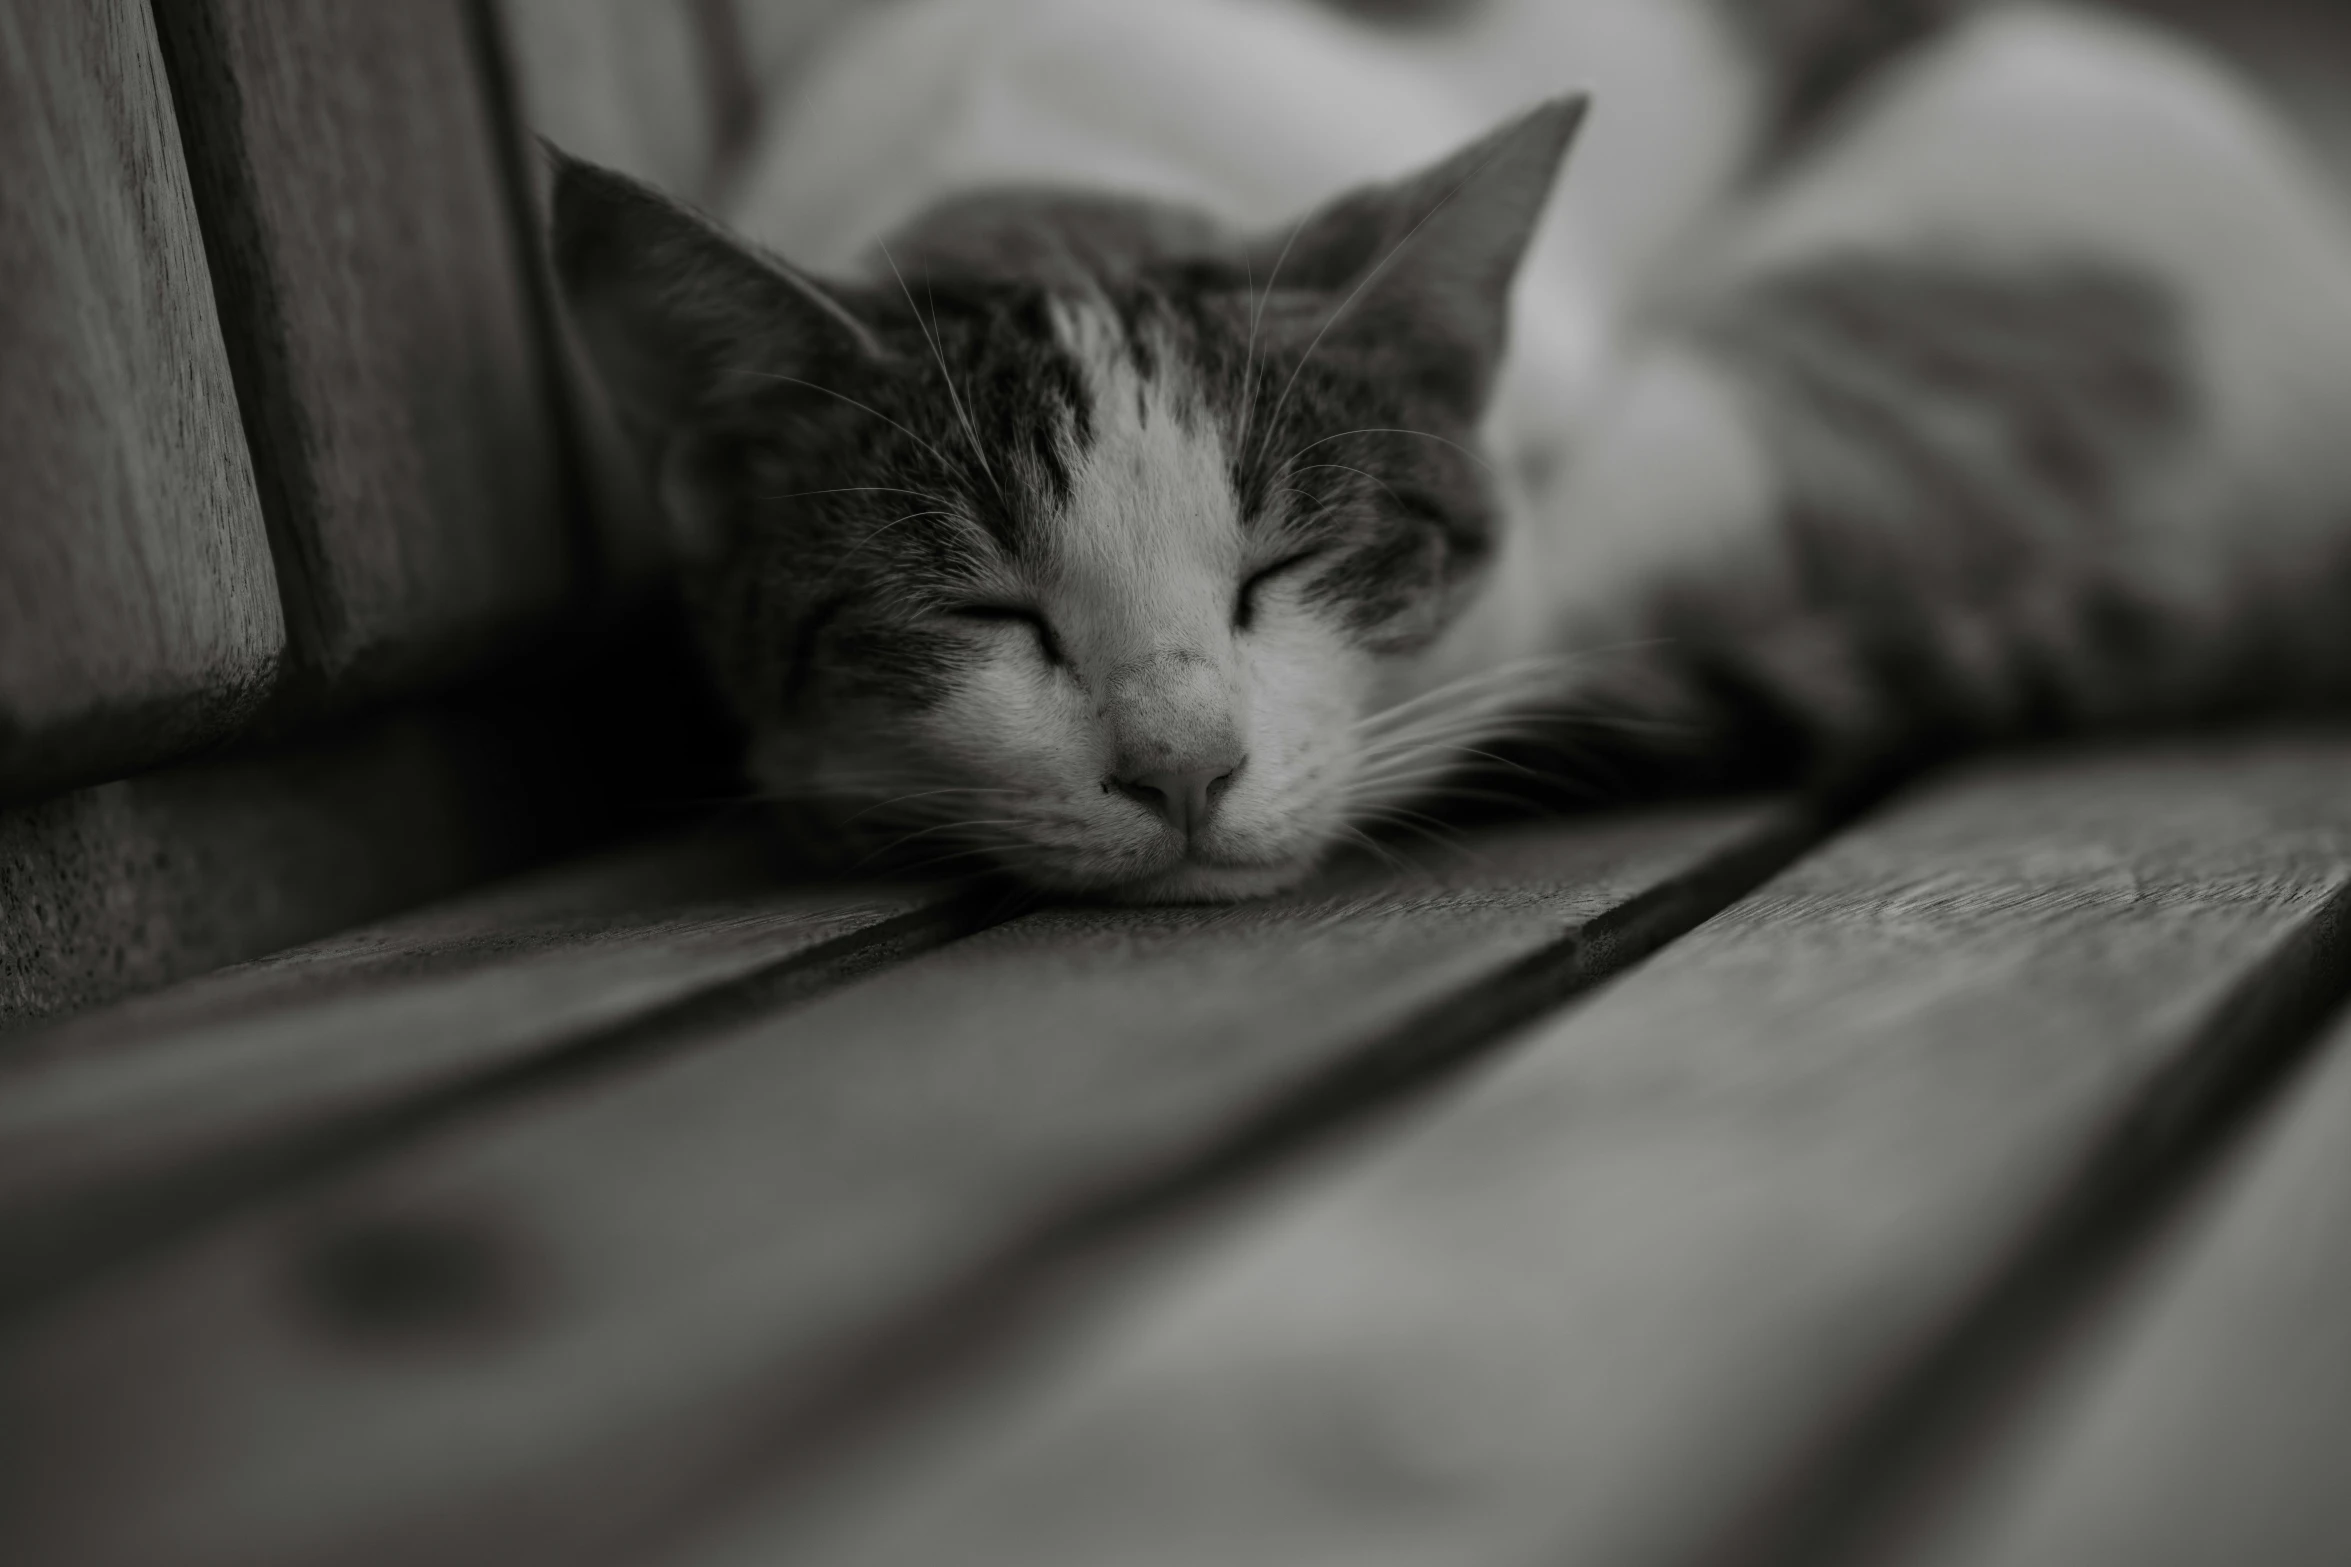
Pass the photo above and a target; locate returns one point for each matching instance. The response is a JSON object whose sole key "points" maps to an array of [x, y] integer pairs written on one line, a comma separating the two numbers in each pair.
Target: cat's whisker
{"points": [[1448, 734], [1389, 791], [1437, 762], [1445, 751], [1499, 719], [1451, 702], [1314, 503], [1340, 467], [1410, 775], [867, 408], [1249, 352], [1408, 745], [895, 844], [1432, 735], [1004, 854], [1516, 677], [1624, 723], [1518, 673], [1369, 278], [1387, 742], [1405, 771], [1416, 856], [930, 335], [1444, 793], [869, 537], [1256, 319], [1470, 452], [858, 489], [971, 429], [1414, 821], [1378, 850], [1528, 721], [901, 801]]}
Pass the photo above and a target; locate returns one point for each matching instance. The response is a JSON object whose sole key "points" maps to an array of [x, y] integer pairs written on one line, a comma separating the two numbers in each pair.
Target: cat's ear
{"points": [[675, 315], [1421, 268], [670, 306]]}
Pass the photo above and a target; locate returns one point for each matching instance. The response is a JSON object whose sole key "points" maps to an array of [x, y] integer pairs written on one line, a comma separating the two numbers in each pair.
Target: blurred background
{"points": [[672, 90]]}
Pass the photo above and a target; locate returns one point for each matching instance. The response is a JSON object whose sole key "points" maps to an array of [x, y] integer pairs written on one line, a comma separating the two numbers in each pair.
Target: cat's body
{"points": [[2020, 399]]}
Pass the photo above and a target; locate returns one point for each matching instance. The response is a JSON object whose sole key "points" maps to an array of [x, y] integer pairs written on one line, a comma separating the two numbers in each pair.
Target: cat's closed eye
{"points": [[1245, 604], [1021, 615]]}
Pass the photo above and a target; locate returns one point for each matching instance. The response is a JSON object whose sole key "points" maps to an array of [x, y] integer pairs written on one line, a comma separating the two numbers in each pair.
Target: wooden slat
{"points": [[131, 885], [1616, 1298], [138, 611], [2207, 1416], [115, 1120], [524, 1336], [369, 263]]}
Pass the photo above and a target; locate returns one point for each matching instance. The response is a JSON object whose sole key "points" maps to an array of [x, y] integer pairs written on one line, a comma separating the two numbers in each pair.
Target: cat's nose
{"points": [[1185, 796]]}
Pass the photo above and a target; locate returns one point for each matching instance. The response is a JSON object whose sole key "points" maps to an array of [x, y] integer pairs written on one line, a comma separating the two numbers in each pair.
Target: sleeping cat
{"points": [[1088, 512]]}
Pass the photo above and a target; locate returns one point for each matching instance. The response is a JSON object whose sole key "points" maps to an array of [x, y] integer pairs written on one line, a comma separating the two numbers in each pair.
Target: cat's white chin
{"points": [[1193, 882]]}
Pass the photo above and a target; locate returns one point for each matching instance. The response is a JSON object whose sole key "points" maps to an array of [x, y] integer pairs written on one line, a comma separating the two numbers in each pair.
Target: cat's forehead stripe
{"points": [[1151, 499]]}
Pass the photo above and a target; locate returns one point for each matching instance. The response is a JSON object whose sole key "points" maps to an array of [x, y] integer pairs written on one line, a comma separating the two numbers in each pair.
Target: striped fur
{"points": [[1953, 372], [1970, 459]]}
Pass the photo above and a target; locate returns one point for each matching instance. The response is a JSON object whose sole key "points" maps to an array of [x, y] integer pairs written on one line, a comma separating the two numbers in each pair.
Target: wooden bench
{"points": [[1959, 1177], [1960, 1182]]}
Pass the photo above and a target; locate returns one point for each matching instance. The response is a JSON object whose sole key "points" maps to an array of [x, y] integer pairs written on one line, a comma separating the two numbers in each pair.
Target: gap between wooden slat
{"points": [[1845, 1106], [1454, 1031], [2199, 1411], [116, 1226], [686, 1325], [1896, 1452], [1048, 1277]]}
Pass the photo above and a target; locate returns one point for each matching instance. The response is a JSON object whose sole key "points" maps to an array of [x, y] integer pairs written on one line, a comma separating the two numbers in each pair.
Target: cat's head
{"points": [[1077, 536]]}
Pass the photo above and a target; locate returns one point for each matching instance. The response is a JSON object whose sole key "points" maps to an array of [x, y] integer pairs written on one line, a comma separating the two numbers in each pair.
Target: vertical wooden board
{"points": [[130, 885], [374, 291], [619, 82], [118, 1122], [138, 611], [1613, 1298], [656, 1276], [2205, 1415]]}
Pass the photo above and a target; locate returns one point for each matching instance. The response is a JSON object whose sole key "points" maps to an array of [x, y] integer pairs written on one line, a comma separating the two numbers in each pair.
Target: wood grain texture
{"points": [[369, 263], [598, 1303], [2205, 1416], [130, 885], [122, 1119], [1614, 1298], [138, 611]]}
